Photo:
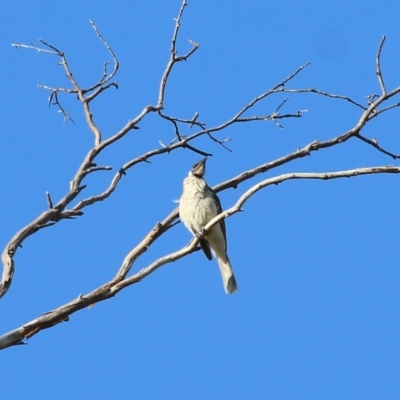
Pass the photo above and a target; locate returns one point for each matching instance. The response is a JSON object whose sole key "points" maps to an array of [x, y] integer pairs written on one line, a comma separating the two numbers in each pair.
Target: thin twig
{"points": [[272, 116], [60, 53], [53, 100], [374, 143], [96, 168], [173, 56], [326, 94], [32, 47], [390, 107], [99, 87], [378, 66], [49, 201], [58, 90], [106, 78]]}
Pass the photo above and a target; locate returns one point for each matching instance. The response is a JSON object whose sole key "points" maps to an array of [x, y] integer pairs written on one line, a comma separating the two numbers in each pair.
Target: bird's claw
{"points": [[200, 233]]}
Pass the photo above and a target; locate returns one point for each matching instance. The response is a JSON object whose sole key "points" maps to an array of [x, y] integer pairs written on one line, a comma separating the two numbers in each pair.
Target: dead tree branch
{"points": [[65, 208], [378, 66], [57, 213], [119, 282]]}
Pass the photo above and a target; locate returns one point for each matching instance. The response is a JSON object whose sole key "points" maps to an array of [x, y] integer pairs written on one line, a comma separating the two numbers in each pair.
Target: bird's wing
{"points": [[206, 249], [219, 210]]}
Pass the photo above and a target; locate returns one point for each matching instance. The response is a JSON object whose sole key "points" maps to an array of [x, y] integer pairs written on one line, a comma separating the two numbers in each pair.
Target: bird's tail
{"points": [[228, 277]]}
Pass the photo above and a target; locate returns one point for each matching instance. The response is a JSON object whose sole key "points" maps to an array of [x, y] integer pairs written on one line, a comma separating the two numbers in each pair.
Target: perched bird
{"points": [[197, 206]]}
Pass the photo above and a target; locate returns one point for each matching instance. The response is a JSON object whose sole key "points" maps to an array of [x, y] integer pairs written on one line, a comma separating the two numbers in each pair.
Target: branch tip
{"points": [[49, 201], [378, 66]]}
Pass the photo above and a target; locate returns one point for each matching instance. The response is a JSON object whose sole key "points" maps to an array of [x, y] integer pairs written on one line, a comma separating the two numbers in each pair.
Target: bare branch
{"points": [[191, 122], [100, 197], [38, 49], [173, 57], [56, 214], [198, 151], [374, 143], [112, 287], [194, 121], [64, 64], [238, 207], [378, 66], [58, 89], [128, 127], [373, 108], [377, 112], [390, 107], [326, 94], [53, 100], [276, 89], [49, 201], [96, 168], [90, 121], [279, 88], [76, 186], [220, 142], [62, 209], [99, 87], [106, 78], [58, 52], [184, 142], [272, 117], [7, 256], [8, 272]]}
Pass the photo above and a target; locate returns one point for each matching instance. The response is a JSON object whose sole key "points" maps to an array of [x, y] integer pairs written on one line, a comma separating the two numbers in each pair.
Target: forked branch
{"points": [[180, 138], [88, 165], [112, 287]]}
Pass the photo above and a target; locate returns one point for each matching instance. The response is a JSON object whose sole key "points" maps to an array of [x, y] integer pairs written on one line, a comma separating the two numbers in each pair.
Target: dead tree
{"points": [[68, 207]]}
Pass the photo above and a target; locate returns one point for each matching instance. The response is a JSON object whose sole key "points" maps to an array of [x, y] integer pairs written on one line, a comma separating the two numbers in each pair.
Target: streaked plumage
{"points": [[197, 206]]}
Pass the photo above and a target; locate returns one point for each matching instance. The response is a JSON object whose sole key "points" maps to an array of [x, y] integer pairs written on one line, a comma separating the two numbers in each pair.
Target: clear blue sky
{"points": [[317, 312]]}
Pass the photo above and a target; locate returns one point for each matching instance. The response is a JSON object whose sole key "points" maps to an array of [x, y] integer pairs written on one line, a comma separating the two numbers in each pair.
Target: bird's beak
{"points": [[199, 168]]}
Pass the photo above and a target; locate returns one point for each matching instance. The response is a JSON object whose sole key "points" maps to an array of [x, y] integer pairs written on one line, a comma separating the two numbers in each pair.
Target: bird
{"points": [[197, 206]]}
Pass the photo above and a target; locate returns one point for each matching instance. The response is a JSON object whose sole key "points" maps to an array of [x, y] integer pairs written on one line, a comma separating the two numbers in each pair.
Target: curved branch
{"points": [[378, 66], [237, 207], [115, 285]]}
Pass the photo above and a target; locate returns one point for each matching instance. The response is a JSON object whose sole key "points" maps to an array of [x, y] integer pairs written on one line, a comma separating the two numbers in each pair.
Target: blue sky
{"points": [[317, 312]]}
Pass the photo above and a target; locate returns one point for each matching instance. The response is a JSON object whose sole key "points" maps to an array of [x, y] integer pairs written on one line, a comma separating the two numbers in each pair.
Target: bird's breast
{"points": [[196, 206]]}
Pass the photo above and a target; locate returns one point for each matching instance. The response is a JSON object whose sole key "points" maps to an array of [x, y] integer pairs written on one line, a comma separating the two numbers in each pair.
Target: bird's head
{"points": [[199, 168]]}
